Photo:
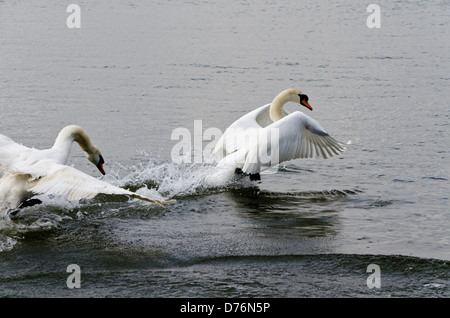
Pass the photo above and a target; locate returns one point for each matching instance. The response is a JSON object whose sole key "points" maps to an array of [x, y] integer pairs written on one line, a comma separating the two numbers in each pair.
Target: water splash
{"points": [[153, 179], [7, 243], [168, 180]]}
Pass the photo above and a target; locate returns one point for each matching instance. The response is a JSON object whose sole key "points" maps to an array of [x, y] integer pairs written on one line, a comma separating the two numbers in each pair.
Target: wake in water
{"points": [[161, 181], [169, 180], [158, 180]]}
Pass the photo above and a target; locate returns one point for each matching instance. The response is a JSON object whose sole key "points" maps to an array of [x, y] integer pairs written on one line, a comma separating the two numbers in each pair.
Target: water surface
{"points": [[135, 71]]}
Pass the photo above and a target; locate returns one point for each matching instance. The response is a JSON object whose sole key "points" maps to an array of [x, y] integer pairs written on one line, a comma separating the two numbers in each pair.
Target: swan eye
{"points": [[303, 97]]}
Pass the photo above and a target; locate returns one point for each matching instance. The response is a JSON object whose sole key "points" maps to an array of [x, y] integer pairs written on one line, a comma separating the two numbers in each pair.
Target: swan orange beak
{"points": [[100, 165], [306, 104]]}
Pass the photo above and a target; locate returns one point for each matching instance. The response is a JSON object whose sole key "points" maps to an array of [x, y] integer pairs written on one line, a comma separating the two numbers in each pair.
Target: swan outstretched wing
{"points": [[12, 153], [294, 136], [75, 185], [232, 140], [303, 137]]}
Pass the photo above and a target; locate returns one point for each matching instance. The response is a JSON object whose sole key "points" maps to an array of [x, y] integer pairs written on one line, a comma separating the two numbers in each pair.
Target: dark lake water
{"points": [[137, 70]]}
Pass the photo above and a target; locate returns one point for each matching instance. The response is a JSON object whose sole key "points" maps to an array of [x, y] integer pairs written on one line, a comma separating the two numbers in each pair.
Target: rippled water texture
{"points": [[137, 70]]}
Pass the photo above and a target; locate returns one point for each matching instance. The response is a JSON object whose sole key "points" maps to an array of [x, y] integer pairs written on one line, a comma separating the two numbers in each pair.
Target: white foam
{"points": [[155, 180], [7, 243], [170, 179]]}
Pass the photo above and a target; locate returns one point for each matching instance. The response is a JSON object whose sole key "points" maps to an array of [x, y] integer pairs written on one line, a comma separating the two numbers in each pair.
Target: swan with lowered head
{"points": [[29, 171], [269, 135]]}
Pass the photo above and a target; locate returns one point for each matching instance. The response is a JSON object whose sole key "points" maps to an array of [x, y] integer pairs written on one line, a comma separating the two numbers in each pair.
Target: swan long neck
{"points": [[65, 139], [276, 108]]}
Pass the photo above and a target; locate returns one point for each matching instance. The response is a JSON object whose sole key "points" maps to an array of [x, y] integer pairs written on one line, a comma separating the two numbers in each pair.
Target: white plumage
{"points": [[269, 135], [29, 171]]}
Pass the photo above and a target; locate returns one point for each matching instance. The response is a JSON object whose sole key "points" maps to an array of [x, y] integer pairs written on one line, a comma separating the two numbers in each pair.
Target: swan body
{"points": [[269, 135], [29, 171]]}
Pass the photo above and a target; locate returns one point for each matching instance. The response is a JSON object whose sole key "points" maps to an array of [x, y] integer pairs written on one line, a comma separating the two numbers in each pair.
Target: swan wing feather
{"points": [[294, 136], [232, 139], [12, 154], [300, 136], [75, 185]]}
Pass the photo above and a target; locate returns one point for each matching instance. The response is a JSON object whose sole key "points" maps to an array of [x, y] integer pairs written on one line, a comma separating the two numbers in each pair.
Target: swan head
{"points": [[75, 133], [288, 95], [292, 95], [296, 96], [96, 158], [304, 101]]}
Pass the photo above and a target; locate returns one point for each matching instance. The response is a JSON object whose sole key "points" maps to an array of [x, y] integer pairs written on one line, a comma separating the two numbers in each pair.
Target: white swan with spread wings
{"points": [[29, 171], [269, 135]]}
